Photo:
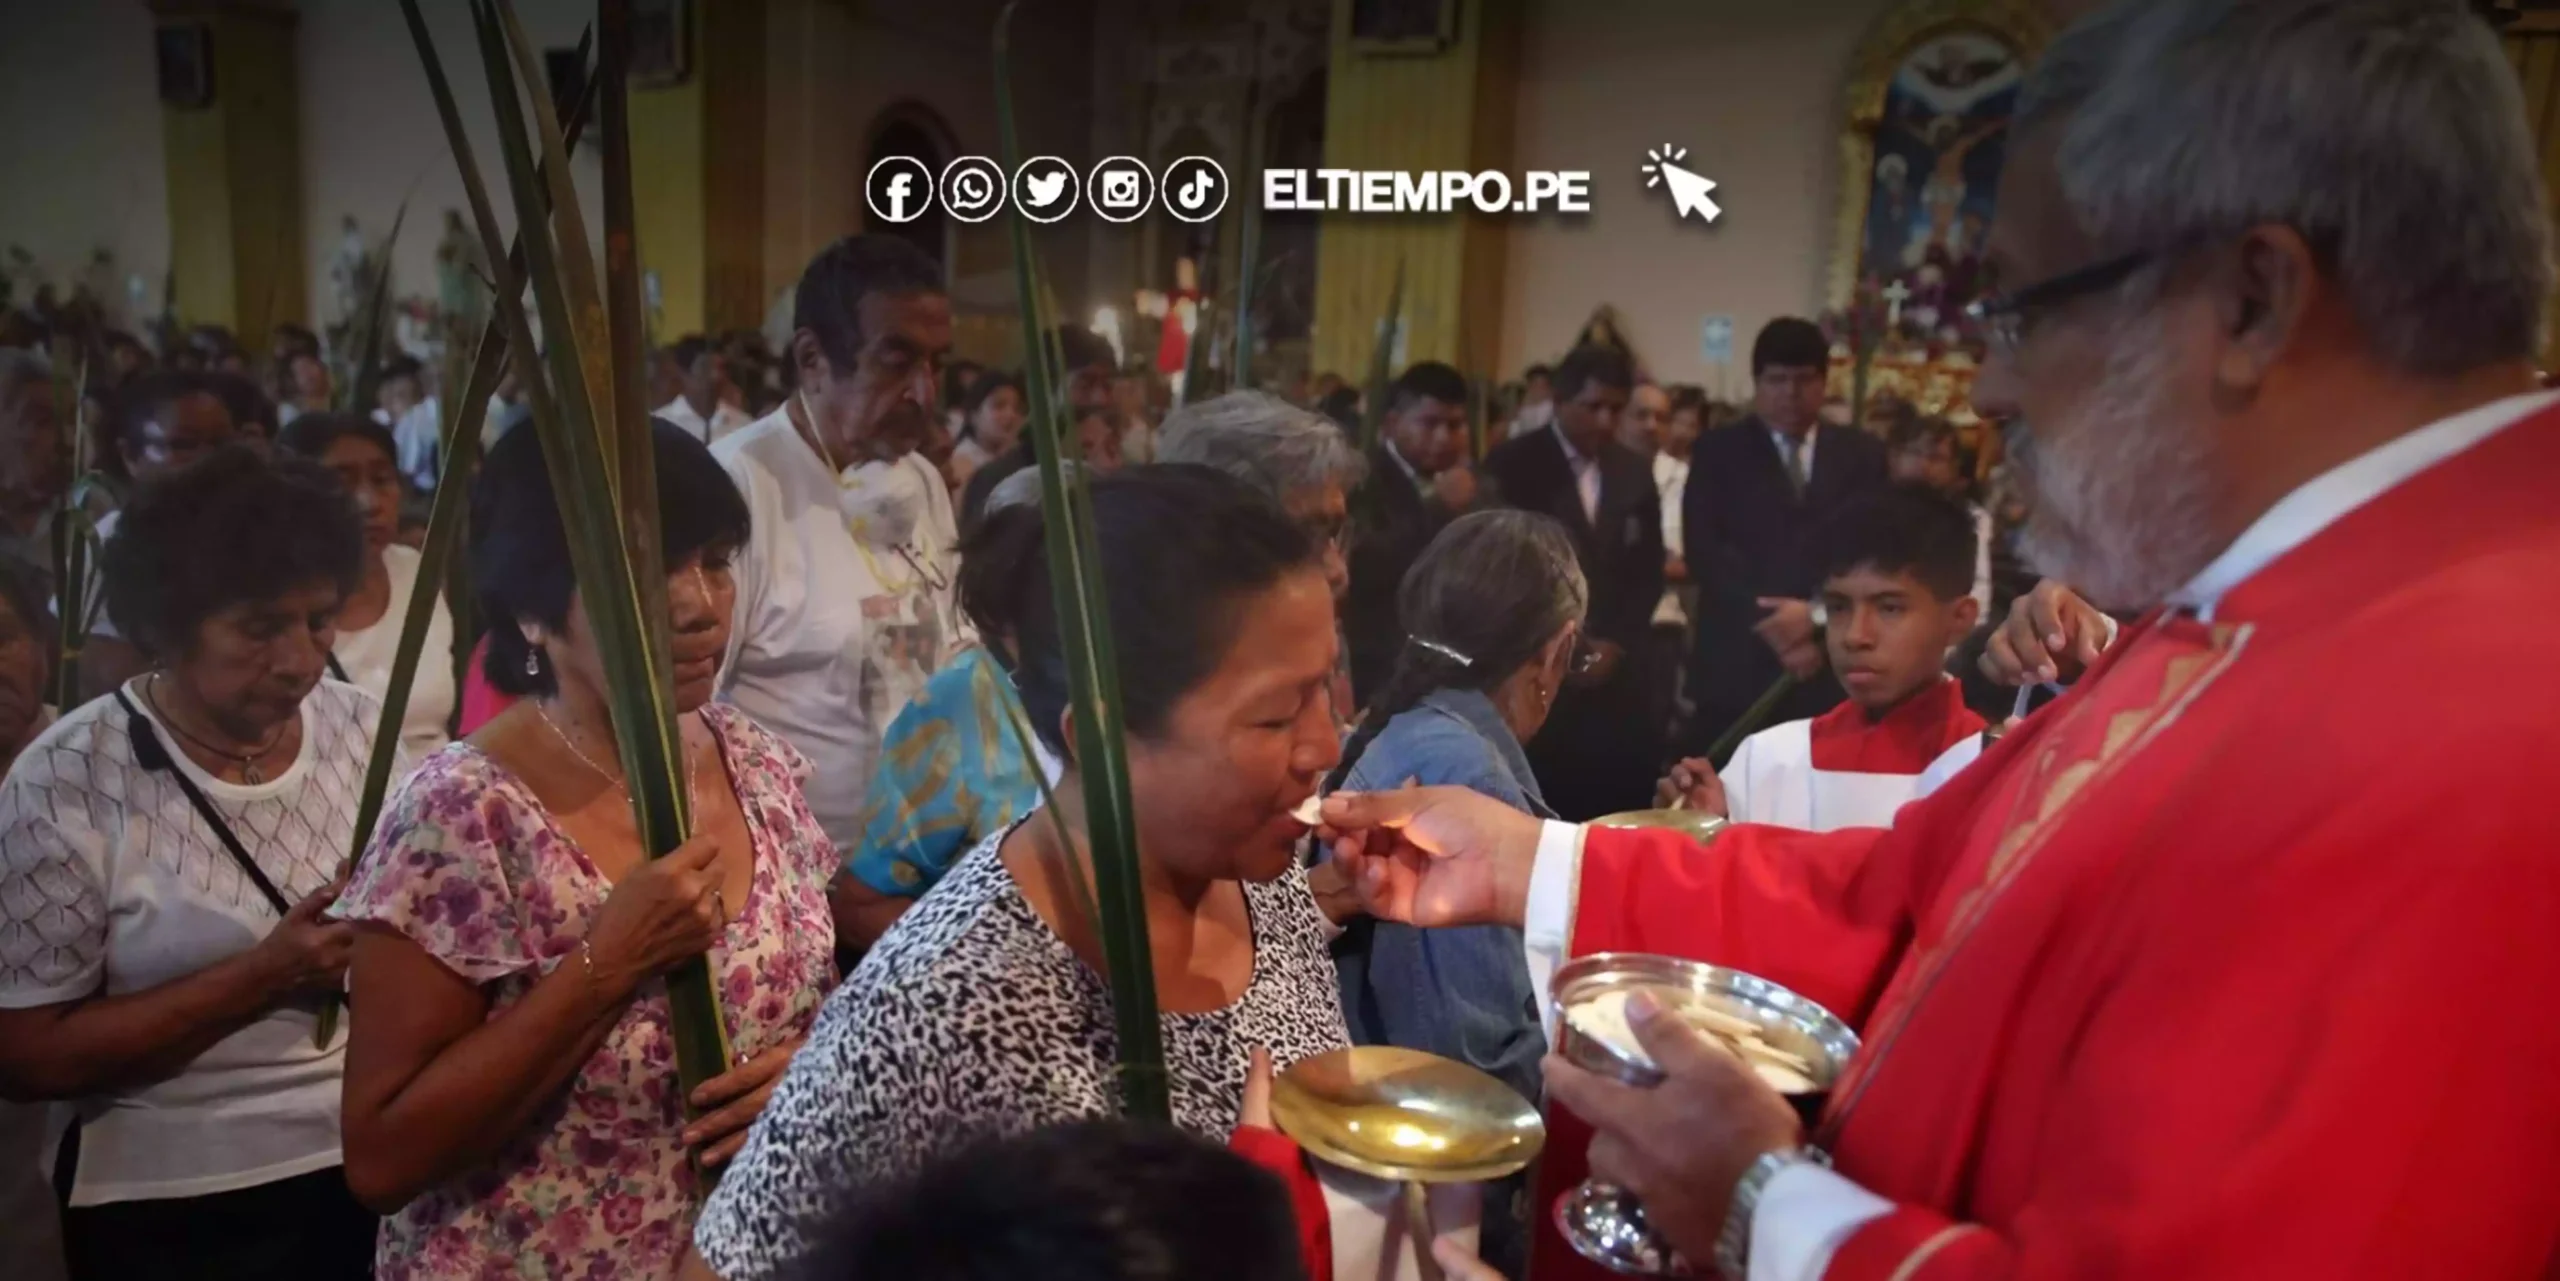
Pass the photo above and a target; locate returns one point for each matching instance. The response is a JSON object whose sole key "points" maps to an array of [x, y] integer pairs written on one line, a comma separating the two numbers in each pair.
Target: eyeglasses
{"points": [[2004, 315], [1331, 532], [1585, 658]]}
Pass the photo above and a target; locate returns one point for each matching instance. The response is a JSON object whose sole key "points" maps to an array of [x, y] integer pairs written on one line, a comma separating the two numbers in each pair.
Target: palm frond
{"points": [[1111, 834], [1240, 370], [75, 552], [585, 298], [571, 436], [1249, 237], [1479, 403], [1198, 383], [631, 466], [364, 381], [1081, 878], [1373, 410]]}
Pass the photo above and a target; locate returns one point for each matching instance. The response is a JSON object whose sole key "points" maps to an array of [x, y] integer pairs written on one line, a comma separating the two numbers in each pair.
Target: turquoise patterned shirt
{"points": [[952, 772]]}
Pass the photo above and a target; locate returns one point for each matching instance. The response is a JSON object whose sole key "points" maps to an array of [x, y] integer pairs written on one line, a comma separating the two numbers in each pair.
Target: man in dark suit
{"points": [[1758, 489], [1418, 482], [1602, 744]]}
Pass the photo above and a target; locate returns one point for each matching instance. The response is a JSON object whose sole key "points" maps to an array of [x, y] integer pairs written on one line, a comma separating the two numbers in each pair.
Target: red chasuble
{"points": [[2234, 964]]}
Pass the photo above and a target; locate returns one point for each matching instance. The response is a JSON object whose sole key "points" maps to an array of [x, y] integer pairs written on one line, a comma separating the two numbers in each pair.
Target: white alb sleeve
{"points": [[1546, 923], [1805, 1214]]}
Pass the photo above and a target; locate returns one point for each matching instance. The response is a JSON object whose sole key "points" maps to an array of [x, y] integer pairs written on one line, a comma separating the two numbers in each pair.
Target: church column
{"points": [[231, 141], [1450, 109], [697, 175]]}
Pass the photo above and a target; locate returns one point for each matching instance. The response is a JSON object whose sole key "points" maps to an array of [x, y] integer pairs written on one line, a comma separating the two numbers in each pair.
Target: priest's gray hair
{"points": [[2390, 133], [1262, 440]]}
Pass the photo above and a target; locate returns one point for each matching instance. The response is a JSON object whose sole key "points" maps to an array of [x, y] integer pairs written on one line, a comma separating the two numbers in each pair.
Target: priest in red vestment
{"points": [[2232, 963]]}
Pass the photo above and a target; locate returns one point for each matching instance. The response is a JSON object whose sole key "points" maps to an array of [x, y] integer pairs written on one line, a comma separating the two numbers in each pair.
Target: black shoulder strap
{"points": [[152, 756], [338, 671]]}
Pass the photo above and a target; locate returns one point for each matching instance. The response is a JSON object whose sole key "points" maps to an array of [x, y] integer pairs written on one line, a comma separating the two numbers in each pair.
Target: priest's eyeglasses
{"points": [[2003, 315]]}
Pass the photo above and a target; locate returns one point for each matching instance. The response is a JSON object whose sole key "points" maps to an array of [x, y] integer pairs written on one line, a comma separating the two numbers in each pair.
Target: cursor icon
{"points": [[1688, 190]]}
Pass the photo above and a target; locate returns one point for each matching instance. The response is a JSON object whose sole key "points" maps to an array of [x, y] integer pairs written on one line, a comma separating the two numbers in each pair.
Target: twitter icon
{"points": [[1045, 188]]}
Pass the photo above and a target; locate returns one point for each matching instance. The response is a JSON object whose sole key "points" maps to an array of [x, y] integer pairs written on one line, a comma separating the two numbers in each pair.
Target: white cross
{"points": [[1895, 295]]}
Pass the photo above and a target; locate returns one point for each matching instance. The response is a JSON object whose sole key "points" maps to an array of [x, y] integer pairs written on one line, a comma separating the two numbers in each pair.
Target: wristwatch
{"points": [[1733, 1245], [1821, 616]]}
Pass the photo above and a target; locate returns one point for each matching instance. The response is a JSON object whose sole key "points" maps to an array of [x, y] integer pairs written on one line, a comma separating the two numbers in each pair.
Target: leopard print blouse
{"points": [[971, 1018]]}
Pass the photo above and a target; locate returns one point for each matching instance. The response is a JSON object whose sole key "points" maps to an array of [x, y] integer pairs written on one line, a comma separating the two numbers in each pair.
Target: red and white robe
{"points": [[1847, 769], [2229, 965]]}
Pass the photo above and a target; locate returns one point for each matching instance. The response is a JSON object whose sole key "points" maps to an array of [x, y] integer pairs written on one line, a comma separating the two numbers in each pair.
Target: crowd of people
{"points": [[2089, 860]]}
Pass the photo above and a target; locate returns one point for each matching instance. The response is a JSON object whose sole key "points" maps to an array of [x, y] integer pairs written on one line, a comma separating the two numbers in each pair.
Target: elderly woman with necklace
{"points": [[166, 853], [511, 1095]]}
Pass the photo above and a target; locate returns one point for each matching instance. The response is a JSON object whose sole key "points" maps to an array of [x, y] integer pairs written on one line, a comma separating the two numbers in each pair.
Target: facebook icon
{"points": [[899, 189]]}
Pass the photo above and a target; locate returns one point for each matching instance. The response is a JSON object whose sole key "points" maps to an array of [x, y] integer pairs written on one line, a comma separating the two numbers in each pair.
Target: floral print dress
{"points": [[469, 865]]}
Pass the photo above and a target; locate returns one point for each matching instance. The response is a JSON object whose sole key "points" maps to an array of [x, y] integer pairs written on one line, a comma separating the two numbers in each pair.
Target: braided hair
{"points": [[1489, 593]]}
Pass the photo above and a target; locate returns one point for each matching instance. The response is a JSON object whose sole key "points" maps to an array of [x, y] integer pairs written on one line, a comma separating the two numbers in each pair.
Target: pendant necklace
{"points": [[693, 798], [246, 763]]}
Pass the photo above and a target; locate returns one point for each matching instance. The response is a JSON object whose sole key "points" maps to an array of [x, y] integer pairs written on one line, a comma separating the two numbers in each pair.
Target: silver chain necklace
{"points": [[621, 783]]}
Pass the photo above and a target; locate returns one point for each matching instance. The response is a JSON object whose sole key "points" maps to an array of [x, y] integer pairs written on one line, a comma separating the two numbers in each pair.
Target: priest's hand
{"points": [[1434, 855], [2050, 635], [1683, 1145]]}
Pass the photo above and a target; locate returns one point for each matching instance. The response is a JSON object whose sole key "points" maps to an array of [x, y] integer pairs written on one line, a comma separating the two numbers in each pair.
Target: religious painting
{"points": [[661, 43], [1931, 95], [1403, 26], [1938, 151], [185, 58]]}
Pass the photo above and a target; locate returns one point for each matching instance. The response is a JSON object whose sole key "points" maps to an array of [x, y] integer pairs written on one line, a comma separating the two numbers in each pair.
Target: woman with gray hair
{"points": [[1492, 612], [1301, 460]]}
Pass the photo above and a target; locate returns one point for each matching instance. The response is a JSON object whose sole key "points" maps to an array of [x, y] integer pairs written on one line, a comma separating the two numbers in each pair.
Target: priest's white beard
{"points": [[2118, 505]]}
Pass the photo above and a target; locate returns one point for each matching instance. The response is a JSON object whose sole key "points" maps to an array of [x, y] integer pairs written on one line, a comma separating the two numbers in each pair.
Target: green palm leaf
{"points": [[583, 299], [1373, 412], [572, 436], [447, 512], [363, 384], [1198, 383], [1240, 371], [75, 552], [1066, 510]]}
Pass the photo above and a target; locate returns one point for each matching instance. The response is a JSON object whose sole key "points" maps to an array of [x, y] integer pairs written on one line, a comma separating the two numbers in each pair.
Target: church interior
{"points": [[1746, 662], [230, 161]]}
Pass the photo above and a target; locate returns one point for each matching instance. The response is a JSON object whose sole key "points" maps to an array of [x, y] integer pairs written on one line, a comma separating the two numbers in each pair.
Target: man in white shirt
{"points": [[871, 328], [417, 431], [697, 407]]}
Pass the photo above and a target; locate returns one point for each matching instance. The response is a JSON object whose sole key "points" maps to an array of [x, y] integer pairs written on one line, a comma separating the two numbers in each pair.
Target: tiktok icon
{"points": [[1195, 189], [898, 189]]}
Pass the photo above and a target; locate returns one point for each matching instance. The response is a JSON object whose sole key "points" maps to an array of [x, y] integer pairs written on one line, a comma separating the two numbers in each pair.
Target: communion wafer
{"points": [[1604, 1018]]}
